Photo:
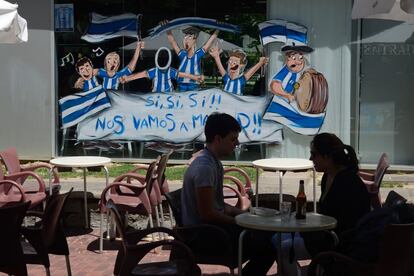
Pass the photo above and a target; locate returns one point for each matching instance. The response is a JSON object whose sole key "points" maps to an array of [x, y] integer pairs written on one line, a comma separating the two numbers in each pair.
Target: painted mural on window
{"points": [[300, 93], [164, 103]]}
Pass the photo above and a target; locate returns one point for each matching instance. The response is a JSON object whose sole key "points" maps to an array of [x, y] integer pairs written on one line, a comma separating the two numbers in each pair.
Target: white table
{"points": [[281, 165], [80, 162], [313, 222]]}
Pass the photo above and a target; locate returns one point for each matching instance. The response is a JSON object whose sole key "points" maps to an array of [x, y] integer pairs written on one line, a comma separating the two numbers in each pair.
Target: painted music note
{"points": [[67, 59], [98, 51]]}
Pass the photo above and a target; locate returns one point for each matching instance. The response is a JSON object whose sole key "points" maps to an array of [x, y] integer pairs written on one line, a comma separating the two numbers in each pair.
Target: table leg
{"points": [[257, 187], [101, 225], [280, 190], [85, 198], [314, 190], [50, 180], [240, 260], [106, 176], [101, 233]]}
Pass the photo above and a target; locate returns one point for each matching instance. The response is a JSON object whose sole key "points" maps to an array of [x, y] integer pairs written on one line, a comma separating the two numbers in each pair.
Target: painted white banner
{"points": [[177, 117]]}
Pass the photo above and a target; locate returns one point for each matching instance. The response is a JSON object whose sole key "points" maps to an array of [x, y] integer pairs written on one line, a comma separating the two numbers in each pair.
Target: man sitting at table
{"points": [[202, 194]]}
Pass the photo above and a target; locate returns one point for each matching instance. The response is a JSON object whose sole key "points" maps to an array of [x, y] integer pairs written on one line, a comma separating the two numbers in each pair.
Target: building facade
{"points": [[366, 63]]}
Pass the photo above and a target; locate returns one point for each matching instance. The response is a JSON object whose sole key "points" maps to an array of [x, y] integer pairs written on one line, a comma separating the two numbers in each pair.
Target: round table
{"points": [[80, 162], [281, 165], [313, 222]]}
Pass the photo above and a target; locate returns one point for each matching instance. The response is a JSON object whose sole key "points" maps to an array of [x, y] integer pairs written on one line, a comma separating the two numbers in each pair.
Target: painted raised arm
{"points": [[210, 40], [173, 43], [133, 63], [262, 61], [214, 52]]}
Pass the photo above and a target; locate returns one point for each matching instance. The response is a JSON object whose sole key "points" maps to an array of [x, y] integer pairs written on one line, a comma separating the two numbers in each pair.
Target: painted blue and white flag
{"points": [[77, 107], [177, 117], [272, 31], [291, 116], [296, 34], [194, 21], [102, 28]]}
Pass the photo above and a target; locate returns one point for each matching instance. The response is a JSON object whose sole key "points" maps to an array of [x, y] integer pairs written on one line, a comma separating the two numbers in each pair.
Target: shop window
{"points": [[386, 84], [72, 19]]}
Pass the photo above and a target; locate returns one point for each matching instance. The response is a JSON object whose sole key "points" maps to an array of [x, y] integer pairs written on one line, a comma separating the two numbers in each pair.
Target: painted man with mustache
{"points": [[234, 79], [110, 74], [190, 58], [285, 81]]}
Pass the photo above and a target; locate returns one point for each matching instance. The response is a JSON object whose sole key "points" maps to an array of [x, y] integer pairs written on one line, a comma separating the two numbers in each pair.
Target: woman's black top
{"points": [[347, 200]]}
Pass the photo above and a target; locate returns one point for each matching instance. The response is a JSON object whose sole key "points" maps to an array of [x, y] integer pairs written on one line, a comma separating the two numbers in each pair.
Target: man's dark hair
{"points": [[220, 124], [191, 31], [82, 61]]}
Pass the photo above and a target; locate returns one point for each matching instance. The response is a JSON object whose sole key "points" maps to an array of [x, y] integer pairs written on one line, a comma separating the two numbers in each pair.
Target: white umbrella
{"points": [[153, 44], [398, 10], [13, 27]]}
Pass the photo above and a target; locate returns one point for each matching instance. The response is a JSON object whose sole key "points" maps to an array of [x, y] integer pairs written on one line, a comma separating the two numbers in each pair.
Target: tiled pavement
{"points": [[87, 261], [84, 257]]}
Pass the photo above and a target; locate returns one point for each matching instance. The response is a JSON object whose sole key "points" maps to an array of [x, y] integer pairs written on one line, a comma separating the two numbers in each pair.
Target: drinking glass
{"points": [[285, 210]]}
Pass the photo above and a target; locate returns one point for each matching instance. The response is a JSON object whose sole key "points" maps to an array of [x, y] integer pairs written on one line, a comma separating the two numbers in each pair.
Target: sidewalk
{"points": [[84, 256], [268, 183]]}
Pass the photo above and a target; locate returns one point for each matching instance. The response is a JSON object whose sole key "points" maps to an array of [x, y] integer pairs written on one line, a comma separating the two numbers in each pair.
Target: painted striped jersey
{"points": [[112, 82], [161, 79], [235, 86], [287, 78], [190, 65], [90, 84]]}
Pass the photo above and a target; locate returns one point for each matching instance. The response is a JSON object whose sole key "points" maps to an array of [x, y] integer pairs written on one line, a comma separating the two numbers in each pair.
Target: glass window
{"points": [[72, 19], [386, 91]]}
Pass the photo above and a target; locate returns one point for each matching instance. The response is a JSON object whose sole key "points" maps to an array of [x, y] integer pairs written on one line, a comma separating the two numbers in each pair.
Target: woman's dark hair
{"points": [[220, 124], [328, 144]]}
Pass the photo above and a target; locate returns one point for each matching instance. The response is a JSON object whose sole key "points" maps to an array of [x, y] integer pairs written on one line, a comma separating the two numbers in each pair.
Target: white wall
{"points": [[329, 33], [27, 89]]}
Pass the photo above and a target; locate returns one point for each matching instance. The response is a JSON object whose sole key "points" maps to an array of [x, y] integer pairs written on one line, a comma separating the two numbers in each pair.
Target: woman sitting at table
{"points": [[344, 195]]}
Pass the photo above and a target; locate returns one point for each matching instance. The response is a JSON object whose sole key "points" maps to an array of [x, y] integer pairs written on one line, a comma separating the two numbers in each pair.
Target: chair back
{"points": [[396, 255], [182, 261], [383, 165], [11, 253], [174, 200], [153, 188], [11, 160], [6, 186], [51, 221], [162, 165], [119, 222], [151, 174], [9, 195], [244, 175]]}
